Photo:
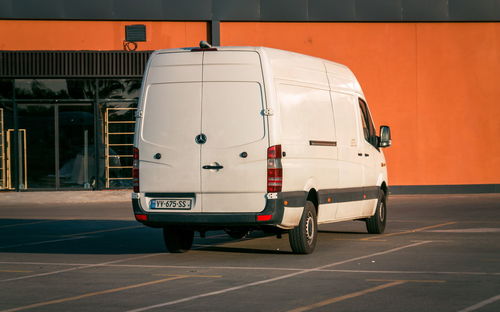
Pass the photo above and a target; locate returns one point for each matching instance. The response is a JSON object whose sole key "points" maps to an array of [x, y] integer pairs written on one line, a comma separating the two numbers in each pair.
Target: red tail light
{"points": [[135, 170], [264, 217], [274, 169], [141, 217]]}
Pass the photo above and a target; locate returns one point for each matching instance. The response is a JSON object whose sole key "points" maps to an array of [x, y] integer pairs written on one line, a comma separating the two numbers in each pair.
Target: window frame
{"points": [[369, 131]]}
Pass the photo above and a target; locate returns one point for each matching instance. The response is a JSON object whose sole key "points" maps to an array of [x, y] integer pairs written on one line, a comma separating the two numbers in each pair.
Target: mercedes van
{"points": [[253, 138]]}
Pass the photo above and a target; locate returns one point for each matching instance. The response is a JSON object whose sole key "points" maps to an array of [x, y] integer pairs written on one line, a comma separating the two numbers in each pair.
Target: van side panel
{"points": [[307, 137]]}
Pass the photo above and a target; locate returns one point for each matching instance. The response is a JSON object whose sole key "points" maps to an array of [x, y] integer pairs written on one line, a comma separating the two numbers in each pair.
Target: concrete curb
{"points": [[60, 197]]}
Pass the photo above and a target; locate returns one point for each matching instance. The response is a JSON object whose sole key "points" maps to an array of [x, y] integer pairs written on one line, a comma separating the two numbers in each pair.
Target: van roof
{"points": [[340, 76]]}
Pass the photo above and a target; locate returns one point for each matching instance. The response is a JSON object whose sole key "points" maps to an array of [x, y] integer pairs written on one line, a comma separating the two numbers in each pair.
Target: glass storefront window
{"points": [[37, 123], [6, 88], [119, 88], [64, 144], [55, 89]]}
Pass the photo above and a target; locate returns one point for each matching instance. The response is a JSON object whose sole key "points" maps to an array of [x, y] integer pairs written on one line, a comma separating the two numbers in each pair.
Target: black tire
{"points": [[304, 236], [237, 233], [376, 224], [178, 239]]}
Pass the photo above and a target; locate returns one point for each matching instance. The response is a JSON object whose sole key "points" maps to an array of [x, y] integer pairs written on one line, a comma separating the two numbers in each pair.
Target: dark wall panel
{"points": [[463, 10], [38, 9], [230, 10], [326, 10], [380, 10], [187, 10], [133, 9], [425, 10], [283, 10], [81, 9], [254, 10], [6, 9]]}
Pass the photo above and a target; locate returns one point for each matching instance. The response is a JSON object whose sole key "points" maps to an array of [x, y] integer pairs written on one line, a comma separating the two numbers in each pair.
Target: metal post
{"points": [[215, 33], [20, 156], [86, 183]]}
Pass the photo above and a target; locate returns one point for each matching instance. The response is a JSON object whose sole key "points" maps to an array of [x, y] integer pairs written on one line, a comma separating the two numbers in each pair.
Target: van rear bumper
{"points": [[272, 214]]}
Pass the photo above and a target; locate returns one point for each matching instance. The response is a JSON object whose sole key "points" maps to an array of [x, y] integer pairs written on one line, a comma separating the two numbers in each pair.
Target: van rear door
{"points": [[169, 156], [233, 159]]}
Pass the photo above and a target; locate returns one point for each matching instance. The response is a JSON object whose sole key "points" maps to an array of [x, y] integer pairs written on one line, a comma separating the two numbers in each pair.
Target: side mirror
{"points": [[385, 136]]}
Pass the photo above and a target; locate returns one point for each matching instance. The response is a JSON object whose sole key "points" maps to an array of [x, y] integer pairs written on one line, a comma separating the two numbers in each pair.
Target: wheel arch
{"points": [[384, 188], [313, 197]]}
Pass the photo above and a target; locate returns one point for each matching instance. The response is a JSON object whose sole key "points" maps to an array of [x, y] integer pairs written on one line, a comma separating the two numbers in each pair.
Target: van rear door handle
{"points": [[366, 155], [360, 154], [217, 167]]}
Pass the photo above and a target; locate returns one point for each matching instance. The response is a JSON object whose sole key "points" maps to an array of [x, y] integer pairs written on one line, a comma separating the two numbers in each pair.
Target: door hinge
{"points": [[138, 113]]}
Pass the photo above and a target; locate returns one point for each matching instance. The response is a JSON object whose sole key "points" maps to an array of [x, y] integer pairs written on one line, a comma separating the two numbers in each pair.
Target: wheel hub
{"points": [[309, 228]]}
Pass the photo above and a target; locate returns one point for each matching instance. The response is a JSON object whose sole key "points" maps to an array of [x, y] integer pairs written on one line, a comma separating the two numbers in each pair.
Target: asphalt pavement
{"points": [[82, 251]]}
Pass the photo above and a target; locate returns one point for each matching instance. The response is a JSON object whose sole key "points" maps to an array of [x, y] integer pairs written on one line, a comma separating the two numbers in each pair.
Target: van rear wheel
{"points": [[178, 239], [304, 236], [376, 223]]}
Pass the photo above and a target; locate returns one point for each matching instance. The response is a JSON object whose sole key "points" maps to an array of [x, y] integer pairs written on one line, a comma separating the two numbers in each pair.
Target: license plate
{"points": [[171, 203]]}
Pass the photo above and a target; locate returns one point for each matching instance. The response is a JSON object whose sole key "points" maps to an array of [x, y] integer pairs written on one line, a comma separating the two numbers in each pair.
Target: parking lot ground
{"points": [[439, 253]]}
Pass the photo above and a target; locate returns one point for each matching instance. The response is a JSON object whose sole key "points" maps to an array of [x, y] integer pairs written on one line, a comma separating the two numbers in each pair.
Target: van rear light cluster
{"points": [[274, 169], [135, 170], [141, 217]]}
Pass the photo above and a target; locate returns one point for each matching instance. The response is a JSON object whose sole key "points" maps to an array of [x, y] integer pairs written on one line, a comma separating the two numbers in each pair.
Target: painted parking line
{"points": [[408, 231], [79, 268], [27, 223], [481, 304], [270, 280], [15, 271], [389, 283], [42, 242], [416, 272], [207, 276], [103, 292], [345, 297], [472, 230], [406, 280], [191, 267]]}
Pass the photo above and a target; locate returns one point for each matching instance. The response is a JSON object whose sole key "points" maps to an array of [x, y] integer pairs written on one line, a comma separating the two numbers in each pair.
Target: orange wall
{"points": [[95, 35], [435, 84]]}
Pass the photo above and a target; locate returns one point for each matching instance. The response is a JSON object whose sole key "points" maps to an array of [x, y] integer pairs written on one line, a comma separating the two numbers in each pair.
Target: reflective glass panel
{"points": [[55, 88], [119, 88], [76, 146], [37, 122], [6, 88]]}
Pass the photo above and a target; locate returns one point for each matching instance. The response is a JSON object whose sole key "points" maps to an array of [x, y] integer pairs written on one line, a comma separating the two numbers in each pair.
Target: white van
{"points": [[245, 138]]}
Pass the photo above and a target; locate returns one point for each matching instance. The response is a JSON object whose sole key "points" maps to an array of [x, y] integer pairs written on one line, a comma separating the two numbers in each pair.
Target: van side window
{"points": [[368, 127]]}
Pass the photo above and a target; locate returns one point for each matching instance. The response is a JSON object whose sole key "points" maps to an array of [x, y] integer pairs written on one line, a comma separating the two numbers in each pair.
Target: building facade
{"points": [[70, 76]]}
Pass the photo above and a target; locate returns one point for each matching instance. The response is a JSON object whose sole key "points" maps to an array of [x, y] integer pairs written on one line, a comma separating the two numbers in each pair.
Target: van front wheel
{"points": [[304, 236], [178, 239], [376, 223]]}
